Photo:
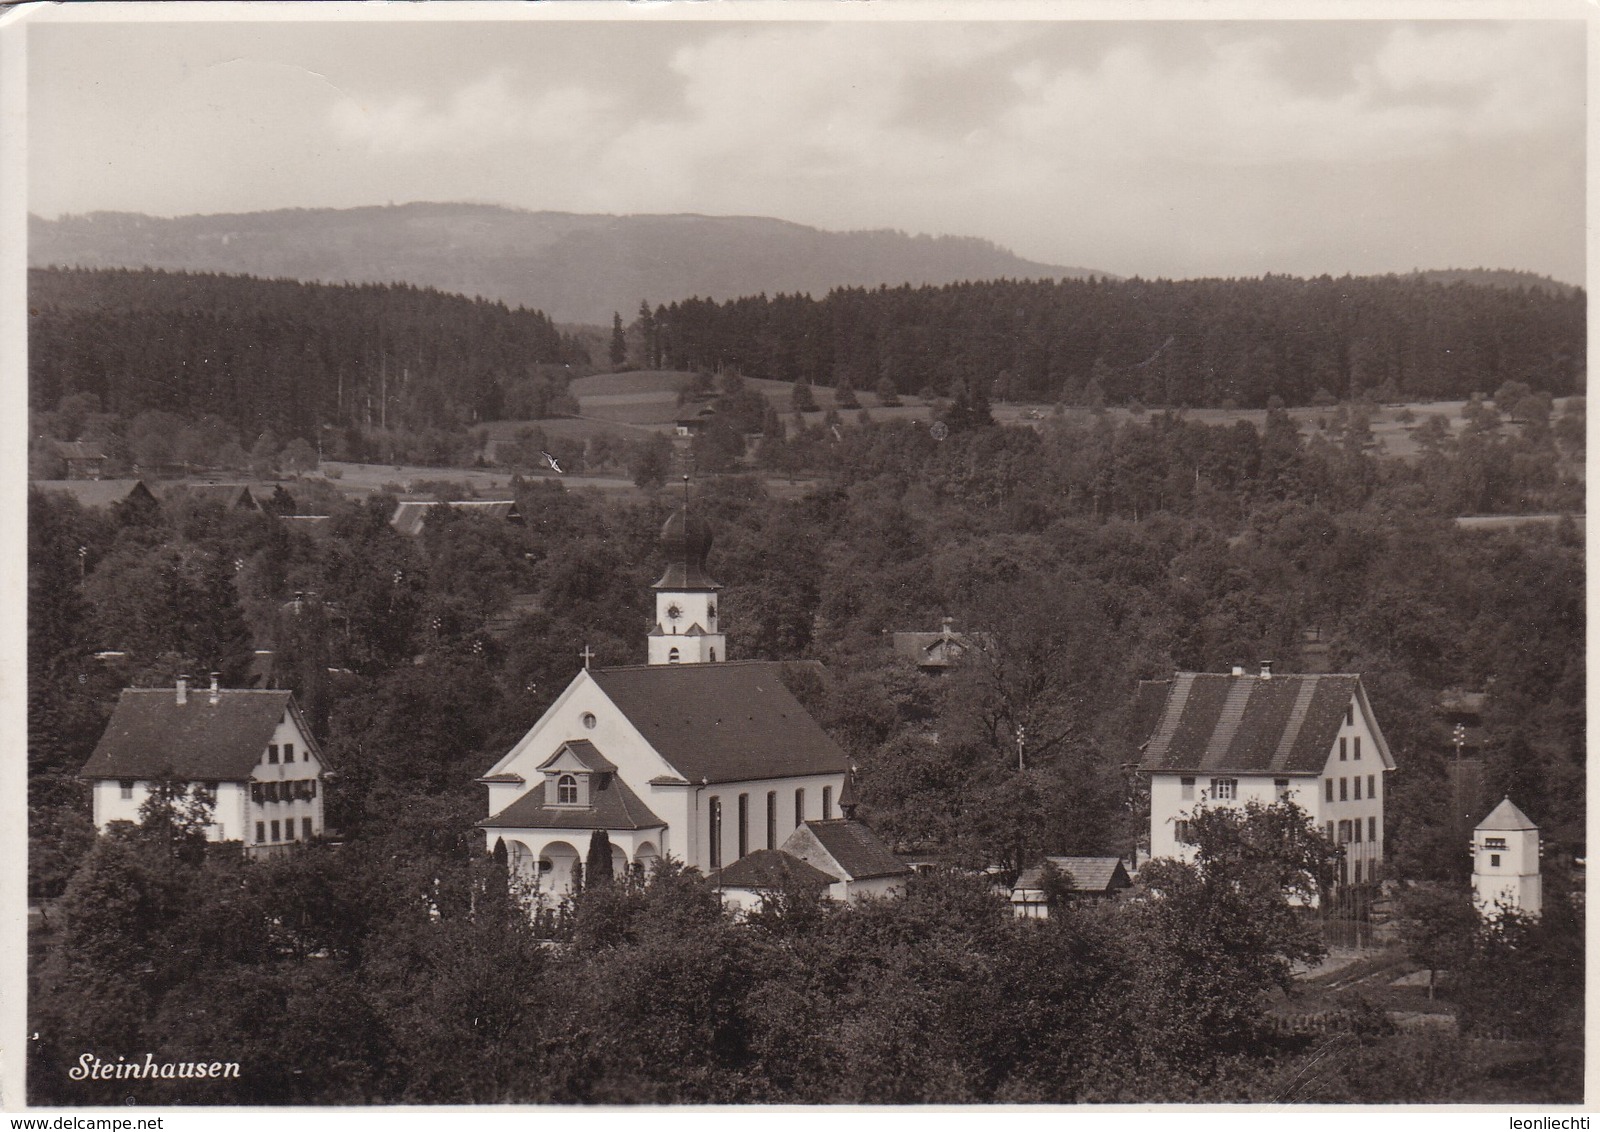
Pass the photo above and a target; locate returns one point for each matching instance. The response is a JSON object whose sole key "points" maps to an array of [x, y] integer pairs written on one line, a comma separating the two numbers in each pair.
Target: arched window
{"points": [[827, 803], [716, 833], [567, 790], [672, 655], [713, 656], [799, 806]]}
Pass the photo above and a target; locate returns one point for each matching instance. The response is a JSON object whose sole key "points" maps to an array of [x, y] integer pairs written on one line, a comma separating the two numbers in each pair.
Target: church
{"points": [[692, 755]]}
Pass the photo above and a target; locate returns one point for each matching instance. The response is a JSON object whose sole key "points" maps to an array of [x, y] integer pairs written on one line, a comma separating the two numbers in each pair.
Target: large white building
{"points": [[1221, 739], [692, 756], [249, 749]]}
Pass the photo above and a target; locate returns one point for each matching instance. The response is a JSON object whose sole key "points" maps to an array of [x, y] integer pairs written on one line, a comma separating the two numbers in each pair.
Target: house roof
{"points": [[930, 650], [586, 753], [1287, 724], [855, 848], [227, 494], [1506, 816], [769, 868], [1083, 874], [612, 805], [79, 450], [151, 734], [97, 493], [723, 722], [409, 514]]}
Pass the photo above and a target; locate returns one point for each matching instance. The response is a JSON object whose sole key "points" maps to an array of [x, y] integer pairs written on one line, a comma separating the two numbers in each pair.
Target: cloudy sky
{"points": [[1160, 148]]}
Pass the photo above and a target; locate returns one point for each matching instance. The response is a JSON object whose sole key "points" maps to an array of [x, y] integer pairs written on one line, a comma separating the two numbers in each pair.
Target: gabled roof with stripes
{"points": [[1205, 721]]}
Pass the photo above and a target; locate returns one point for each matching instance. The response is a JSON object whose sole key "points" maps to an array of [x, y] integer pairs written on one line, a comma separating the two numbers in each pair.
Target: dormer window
{"points": [[566, 790]]}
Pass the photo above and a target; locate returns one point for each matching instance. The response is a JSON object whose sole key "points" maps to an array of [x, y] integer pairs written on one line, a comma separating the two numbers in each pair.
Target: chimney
{"points": [[183, 689], [1266, 670], [1238, 670], [216, 693]]}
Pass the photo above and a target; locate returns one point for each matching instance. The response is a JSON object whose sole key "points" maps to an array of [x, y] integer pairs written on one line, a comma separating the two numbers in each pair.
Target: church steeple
{"points": [[686, 597]]}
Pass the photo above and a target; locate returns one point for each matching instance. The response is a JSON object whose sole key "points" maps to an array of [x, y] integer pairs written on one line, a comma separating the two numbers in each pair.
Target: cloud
{"points": [[490, 111]]}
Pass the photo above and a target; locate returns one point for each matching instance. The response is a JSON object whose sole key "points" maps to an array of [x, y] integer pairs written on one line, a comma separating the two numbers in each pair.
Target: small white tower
{"points": [[1505, 862], [686, 597]]}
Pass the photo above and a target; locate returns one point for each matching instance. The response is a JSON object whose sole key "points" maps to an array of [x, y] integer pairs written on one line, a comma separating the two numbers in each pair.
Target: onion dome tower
{"points": [[686, 597]]}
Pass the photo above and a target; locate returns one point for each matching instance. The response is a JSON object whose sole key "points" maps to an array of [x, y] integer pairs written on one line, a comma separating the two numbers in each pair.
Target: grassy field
{"points": [[641, 402], [647, 401]]}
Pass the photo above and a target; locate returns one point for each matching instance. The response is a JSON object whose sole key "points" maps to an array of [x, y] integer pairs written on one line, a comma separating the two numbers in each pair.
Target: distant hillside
{"points": [[574, 267], [1504, 279]]}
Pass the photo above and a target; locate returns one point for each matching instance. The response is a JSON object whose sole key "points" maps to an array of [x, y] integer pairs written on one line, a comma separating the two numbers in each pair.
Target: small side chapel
{"points": [[691, 755]]}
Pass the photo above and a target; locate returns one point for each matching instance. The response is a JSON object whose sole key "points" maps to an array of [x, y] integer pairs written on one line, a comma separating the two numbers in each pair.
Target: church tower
{"points": [[1505, 862], [686, 597]]}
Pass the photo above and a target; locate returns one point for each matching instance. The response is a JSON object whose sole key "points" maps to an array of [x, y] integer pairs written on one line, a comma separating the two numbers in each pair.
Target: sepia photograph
{"points": [[806, 554]]}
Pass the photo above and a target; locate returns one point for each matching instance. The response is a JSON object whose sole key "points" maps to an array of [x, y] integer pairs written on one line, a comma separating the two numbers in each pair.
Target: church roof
{"points": [[1506, 816], [769, 868], [1212, 721], [152, 735], [724, 722], [612, 805], [854, 848], [1083, 874]]}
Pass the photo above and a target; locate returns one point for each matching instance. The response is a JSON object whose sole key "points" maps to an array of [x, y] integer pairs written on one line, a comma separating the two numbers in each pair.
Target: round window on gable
{"points": [[588, 720]]}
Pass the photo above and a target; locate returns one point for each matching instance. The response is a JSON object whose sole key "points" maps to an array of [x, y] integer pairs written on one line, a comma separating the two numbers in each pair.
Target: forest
{"points": [[387, 371], [1171, 344], [1091, 554], [284, 357]]}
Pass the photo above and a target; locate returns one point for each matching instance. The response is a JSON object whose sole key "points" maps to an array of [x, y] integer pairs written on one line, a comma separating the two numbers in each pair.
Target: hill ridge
{"points": [[577, 267]]}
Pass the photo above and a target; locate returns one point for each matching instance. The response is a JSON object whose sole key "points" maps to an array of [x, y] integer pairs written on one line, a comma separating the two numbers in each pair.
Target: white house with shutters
{"points": [[693, 755], [1225, 739], [248, 749]]}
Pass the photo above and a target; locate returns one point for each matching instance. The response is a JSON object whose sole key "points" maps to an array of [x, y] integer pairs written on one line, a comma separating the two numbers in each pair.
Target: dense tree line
{"points": [[402, 967], [1198, 343], [286, 357]]}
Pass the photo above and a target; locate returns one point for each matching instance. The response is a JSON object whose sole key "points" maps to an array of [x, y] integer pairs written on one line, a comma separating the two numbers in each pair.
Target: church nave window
{"points": [[716, 833], [799, 807], [566, 790], [827, 803], [744, 824], [772, 819]]}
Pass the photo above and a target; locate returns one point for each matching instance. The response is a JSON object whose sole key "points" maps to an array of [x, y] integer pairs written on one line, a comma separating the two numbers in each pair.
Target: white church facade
{"points": [[691, 756]]}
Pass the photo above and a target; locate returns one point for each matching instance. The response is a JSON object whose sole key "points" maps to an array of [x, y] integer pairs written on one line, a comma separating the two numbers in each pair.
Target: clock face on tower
{"points": [[673, 612], [711, 610]]}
